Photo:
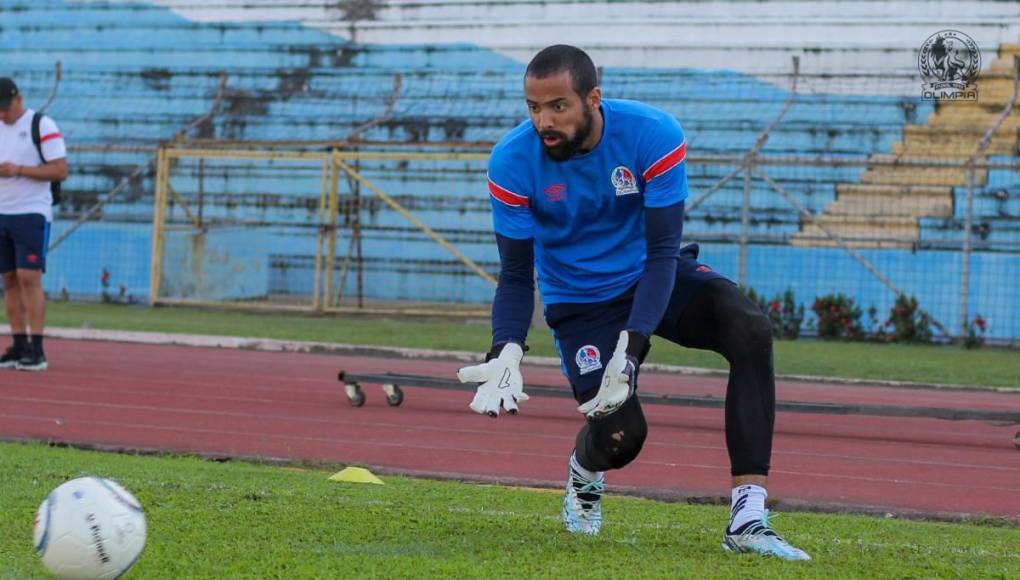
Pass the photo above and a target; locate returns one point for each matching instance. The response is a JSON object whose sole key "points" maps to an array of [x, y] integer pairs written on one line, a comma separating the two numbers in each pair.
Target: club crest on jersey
{"points": [[588, 359], [623, 181]]}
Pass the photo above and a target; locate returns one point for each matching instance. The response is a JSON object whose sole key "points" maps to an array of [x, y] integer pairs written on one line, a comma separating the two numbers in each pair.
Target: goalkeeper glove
{"points": [[619, 381], [502, 384]]}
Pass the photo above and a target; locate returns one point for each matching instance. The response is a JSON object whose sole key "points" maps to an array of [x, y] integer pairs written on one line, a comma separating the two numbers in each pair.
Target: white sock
{"points": [[747, 504], [589, 475]]}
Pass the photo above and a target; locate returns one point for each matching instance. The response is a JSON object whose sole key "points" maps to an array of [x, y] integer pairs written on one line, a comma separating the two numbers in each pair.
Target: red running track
{"points": [[286, 405]]}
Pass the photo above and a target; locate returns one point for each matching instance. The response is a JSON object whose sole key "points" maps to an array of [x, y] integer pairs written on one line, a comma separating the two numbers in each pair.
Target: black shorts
{"points": [[586, 334], [23, 242]]}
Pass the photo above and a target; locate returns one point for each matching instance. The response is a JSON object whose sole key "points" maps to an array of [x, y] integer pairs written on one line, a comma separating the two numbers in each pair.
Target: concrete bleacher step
{"points": [[892, 200], [876, 189], [954, 148], [819, 240], [933, 134], [877, 206], [859, 231], [983, 119], [918, 175], [948, 106], [996, 82], [971, 107], [994, 97], [1002, 65]]}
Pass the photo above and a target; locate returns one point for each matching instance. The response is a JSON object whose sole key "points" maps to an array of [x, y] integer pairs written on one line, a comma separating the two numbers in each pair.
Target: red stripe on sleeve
{"points": [[508, 197], [667, 162]]}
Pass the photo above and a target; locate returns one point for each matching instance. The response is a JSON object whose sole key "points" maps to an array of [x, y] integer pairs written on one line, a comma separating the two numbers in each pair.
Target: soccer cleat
{"points": [[32, 362], [582, 503], [10, 358], [759, 538]]}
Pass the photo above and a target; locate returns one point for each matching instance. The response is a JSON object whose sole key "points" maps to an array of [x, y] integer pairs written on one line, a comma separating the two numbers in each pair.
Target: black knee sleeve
{"points": [[612, 441]]}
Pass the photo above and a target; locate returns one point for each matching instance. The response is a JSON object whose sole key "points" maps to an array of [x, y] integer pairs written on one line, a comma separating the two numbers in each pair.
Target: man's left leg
{"points": [[34, 301], [710, 312], [30, 233]]}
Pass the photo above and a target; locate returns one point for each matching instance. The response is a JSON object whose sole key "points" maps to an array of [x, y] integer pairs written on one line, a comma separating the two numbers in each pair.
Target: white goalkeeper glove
{"points": [[619, 381], [502, 384]]}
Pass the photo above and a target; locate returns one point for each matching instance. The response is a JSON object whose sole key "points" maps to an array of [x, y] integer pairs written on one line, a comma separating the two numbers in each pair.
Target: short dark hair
{"points": [[563, 57]]}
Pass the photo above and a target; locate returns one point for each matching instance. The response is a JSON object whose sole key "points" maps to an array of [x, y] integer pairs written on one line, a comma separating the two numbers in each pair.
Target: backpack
{"points": [[37, 140]]}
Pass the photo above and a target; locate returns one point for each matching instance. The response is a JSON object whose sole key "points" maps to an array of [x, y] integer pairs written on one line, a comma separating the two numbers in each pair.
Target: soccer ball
{"points": [[89, 528]]}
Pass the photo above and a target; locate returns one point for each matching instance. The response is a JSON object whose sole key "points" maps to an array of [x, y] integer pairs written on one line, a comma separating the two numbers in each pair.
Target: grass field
{"points": [[218, 520], [933, 364]]}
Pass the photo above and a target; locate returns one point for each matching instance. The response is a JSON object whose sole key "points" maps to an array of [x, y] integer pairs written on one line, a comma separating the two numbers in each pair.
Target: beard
{"points": [[567, 148]]}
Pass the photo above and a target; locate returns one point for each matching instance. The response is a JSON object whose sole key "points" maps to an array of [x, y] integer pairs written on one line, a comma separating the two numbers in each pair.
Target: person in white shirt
{"points": [[25, 215]]}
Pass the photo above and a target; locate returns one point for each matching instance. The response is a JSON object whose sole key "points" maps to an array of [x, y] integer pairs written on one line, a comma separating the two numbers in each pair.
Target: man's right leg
{"points": [[13, 305], [585, 336]]}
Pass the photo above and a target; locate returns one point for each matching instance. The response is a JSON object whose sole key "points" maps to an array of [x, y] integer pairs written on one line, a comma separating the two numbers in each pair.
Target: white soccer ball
{"points": [[89, 528]]}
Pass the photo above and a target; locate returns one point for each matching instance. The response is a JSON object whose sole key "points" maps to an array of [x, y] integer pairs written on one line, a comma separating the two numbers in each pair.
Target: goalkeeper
{"points": [[591, 192]]}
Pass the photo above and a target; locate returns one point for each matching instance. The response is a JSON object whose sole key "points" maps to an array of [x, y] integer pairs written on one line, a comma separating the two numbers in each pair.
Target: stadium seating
{"points": [[920, 204], [135, 73], [139, 72]]}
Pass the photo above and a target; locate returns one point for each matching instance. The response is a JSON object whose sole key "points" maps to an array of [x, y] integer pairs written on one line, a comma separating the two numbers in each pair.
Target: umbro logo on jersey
{"points": [[23, 135], [623, 180], [556, 192]]}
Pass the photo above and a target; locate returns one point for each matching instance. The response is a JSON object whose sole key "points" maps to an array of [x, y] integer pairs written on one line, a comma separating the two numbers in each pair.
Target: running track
{"points": [[284, 405]]}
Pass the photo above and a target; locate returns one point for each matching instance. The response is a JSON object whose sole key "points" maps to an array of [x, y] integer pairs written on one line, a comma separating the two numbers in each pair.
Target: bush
{"points": [[754, 297], [785, 315], [838, 317], [874, 329], [907, 322], [976, 333]]}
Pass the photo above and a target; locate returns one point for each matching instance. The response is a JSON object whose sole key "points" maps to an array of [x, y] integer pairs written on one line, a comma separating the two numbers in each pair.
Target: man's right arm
{"points": [[515, 293], [502, 386], [514, 225]]}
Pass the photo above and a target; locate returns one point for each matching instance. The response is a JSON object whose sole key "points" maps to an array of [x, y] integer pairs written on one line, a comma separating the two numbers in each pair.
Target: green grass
{"points": [[929, 364], [220, 520]]}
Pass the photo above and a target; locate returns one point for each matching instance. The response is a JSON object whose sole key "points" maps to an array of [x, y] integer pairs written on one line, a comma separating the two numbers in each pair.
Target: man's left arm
{"points": [[665, 176], [663, 230], [664, 171]]}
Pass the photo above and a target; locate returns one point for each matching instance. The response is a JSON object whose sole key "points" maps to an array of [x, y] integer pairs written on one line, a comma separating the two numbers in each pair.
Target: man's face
{"points": [[560, 116], [12, 111]]}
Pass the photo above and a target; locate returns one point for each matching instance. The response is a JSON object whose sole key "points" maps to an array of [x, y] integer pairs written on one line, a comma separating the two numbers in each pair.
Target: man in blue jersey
{"points": [[591, 191]]}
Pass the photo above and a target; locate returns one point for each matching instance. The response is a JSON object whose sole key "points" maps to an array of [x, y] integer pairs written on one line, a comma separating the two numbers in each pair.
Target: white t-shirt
{"points": [[20, 195]]}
